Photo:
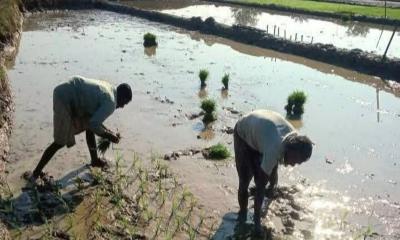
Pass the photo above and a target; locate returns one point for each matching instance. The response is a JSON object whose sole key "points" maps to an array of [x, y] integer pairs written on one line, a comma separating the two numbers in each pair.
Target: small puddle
{"points": [[353, 118], [302, 28]]}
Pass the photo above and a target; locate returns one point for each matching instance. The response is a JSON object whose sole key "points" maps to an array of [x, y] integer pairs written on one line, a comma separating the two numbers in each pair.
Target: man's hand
{"points": [[270, 192], [273, 183], [114, 138]]}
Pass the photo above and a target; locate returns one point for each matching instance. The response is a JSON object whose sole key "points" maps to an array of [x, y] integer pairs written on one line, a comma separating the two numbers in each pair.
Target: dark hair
{"points": [[300, 144], [125, 92]]}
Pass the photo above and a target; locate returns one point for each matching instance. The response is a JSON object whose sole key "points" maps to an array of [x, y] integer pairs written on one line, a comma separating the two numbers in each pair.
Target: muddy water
{"points": [[353, 123], [349, 35]]}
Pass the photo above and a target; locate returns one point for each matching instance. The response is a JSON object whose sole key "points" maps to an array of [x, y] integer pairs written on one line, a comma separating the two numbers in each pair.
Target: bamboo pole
{"points": [[390, 41]]}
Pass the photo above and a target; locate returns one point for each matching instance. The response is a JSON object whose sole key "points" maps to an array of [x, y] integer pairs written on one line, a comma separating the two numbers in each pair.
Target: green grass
{"points": [[203, 75], [208, 106], [225, 81], [150, 40], [295, 103], [219, 152], [319, 6]]}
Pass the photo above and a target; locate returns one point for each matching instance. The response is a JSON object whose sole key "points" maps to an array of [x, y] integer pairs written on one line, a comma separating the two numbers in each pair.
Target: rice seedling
{"points": [[295, 103], [203, 75], [218, 152], [150, 40], [78, 182], [225, 81], [208, 106], [103, 145]]}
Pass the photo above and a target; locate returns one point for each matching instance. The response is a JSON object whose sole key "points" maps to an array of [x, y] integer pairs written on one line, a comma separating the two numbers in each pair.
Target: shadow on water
{"points": [[35, 205], [230, 228]]}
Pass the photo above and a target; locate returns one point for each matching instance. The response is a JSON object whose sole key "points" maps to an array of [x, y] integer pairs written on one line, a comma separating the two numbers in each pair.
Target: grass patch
{"points": [[150, 40], [209, 107], [203, 75], [218, 152], [225, 81], [295, 103], [339, 8], [9, 19]]}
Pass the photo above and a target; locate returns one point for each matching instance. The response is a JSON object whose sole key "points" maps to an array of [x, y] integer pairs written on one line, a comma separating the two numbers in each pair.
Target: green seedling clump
{"points": [[103, 145], [150, 40], [203, 75], [219, 152], [208, 106], [225, 81], [295, 105]]}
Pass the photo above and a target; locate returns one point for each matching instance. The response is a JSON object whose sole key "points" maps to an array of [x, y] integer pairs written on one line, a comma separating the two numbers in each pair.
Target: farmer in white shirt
{"points": [[83, 104], [262, 139]]}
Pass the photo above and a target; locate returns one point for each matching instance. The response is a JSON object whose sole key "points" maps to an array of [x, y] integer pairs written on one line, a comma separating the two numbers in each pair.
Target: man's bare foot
{"points": [[242, 216], [28, 176], [258, 231]]}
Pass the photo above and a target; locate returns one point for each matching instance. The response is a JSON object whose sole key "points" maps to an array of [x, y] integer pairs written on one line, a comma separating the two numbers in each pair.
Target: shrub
{"points": [[150, 40], [225, 81], [203, 75], [295, 103], [218, 151]]}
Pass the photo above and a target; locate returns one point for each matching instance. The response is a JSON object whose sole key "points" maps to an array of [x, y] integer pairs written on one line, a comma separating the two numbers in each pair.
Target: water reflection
{"points": [[150, 51], [355, 29], [297, 123], [245, 16], [224, 93], [299, 18], [202, 93], [348, 35]]}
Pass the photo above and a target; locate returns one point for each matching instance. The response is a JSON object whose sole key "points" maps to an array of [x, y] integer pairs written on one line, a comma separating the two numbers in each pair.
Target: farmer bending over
{"points": [[262, 139], [83, 104]]}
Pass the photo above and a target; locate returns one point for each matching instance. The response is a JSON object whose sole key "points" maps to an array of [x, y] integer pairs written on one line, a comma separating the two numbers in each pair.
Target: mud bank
{"points": [[39, 5], [347, 16], [352, 59], [10, 32]]}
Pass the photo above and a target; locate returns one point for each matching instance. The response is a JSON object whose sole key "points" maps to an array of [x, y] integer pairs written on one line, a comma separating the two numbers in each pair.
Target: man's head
{"points": [[124, 95], [298, 149]]}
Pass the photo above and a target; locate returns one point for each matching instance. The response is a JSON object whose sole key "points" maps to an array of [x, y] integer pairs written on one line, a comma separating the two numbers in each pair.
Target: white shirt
{"points": [[265, 131]]}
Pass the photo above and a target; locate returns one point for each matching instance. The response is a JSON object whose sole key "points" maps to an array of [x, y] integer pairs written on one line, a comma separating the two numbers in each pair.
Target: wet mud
{"points": [[346, 115]]}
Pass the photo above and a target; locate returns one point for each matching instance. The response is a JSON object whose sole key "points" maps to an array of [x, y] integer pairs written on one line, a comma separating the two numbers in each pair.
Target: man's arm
{"points": [[96, 122], [273, 182]]}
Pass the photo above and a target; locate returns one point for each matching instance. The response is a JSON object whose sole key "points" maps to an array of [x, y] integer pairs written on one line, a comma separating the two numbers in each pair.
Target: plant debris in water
{"points": [[217, 152], [295, 105], [203, 75], [150, 40]]}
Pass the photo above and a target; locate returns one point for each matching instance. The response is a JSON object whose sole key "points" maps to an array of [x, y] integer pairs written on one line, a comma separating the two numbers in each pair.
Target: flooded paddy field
{"points": [[297, 27], [348, 188]]}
